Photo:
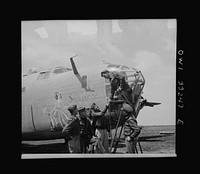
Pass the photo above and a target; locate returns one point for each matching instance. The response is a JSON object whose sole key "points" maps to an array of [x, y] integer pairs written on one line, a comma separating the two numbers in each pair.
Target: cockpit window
{"points": [[134, 69], [108, 90], [107, 81], [113, 66], [125, 68]]}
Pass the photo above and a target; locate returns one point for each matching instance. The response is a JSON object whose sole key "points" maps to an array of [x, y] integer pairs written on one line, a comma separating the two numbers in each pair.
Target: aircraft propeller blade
{"points": [[151, 104]]}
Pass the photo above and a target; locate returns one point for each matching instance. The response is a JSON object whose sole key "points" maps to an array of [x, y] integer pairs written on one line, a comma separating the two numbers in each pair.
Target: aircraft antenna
{"points": [[73, 65]]}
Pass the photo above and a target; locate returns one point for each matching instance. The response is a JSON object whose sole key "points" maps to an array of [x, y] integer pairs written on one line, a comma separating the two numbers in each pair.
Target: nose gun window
{"points": [[108, 90], [107, 80]]}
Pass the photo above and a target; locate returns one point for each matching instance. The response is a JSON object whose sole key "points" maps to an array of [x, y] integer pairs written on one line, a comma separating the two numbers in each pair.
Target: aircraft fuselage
{"points": [[38, 96]]}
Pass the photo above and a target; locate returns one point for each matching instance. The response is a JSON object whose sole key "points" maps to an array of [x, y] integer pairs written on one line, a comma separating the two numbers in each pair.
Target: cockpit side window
{"points": [[124, 73], [107, 81], [108, 90], [60, 70], [125, 68]]}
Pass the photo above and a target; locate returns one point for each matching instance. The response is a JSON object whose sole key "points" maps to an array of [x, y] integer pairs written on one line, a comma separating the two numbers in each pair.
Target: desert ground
{"points": [[151, 141]]}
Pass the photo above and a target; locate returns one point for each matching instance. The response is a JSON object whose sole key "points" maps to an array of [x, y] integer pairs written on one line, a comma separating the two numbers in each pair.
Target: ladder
{"points": [[115, 139]]}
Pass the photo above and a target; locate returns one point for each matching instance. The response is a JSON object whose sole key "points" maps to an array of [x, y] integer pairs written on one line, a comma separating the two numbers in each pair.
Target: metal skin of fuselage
{"points": [[38, 98]]}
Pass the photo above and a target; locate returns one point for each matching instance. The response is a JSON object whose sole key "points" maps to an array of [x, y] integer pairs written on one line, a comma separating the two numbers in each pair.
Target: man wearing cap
{"points": [[86, 130], [72, 130]]}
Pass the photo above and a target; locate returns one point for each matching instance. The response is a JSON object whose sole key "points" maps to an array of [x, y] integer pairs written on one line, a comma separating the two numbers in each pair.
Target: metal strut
{"points": [[140, 147]]}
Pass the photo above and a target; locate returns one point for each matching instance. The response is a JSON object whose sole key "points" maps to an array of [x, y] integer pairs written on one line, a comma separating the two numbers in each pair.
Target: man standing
{"points": [[72, 130], [100, 127], [86, 130], [131, 132]]}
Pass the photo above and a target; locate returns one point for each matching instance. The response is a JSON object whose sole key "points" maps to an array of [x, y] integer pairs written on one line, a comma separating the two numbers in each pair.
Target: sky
{"points": [[148, 45]]}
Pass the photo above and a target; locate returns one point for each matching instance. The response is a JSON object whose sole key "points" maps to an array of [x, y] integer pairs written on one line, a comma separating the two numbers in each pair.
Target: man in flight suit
{"points": [[120, 87], [116, 79]]}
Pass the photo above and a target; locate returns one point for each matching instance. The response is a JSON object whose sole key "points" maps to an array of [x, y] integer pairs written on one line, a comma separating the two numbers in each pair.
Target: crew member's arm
{"points": [[67, 129], [105, 118], [93, 126], [105, 110], [89, 128]]}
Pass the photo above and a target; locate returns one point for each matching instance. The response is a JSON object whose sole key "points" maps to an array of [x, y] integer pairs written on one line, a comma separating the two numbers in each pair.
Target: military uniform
{"points": [[85, 132], [117, 81], [131, 132], [124, 92], [100, 129], [72, 132]]}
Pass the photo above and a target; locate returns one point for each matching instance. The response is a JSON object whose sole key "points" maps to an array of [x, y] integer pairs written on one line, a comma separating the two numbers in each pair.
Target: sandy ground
{"points": [[150, 145]]}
